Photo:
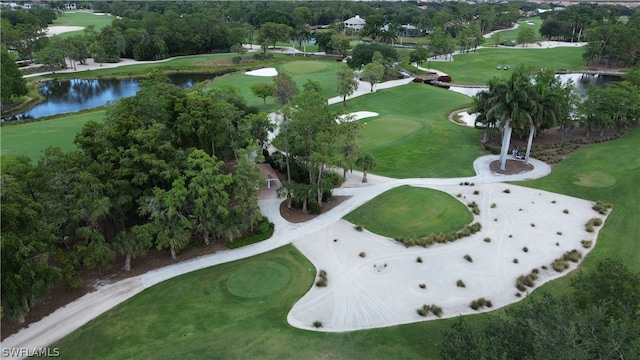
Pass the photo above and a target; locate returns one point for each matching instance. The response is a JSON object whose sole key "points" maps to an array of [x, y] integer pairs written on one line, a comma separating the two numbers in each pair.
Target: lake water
{"points": [[66, 96], [580, 82]]}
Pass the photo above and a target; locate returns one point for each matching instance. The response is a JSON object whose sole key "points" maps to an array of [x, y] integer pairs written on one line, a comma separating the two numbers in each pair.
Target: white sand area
{"points": [[526, 226], [358, 115], [263, 72], [57, 30]]}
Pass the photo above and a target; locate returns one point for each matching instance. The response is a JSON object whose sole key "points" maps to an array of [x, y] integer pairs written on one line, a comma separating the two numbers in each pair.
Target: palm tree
{"points": [[550, 100], [367, 161], [509, 101]]}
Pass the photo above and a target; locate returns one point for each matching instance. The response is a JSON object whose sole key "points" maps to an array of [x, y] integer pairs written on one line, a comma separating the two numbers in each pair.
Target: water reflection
{"points": [[65, 96]]}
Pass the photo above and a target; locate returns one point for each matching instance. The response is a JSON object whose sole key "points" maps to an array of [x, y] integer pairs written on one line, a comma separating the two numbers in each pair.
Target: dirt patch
{"points": [[297, 216], [512, 167]]}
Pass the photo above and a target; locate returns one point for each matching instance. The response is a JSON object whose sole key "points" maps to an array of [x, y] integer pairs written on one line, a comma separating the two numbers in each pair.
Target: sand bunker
{"points": [[526, 229], [56, 30], [355, 116], [263, 72]]}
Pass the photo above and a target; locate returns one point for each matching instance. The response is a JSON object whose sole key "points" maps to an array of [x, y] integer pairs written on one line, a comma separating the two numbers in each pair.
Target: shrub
{"points": [[487, 240], [586, 243], [474, 208], [493, 205], [476, 192], [359, 228], [515, 261], [363, 254], [480, 303], [566, 211], [559, 233], [426, 309], [533, 225], [544, 267], [506, 191], [262, 231], [468, 258], [419, 259], [461, 284], [560, 265], [314, 207], [593, 222], [423, 286], [601, 207], [525, 249], [317, 324], [459, 195], [322, 281], [573, 255]]}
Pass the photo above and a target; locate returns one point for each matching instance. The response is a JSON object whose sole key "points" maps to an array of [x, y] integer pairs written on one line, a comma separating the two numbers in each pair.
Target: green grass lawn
{"points": [[81, 18], [410, 212], [412, 136], [235, 311], [512, 34], [32, 138], [479, 67], [322, 71]]}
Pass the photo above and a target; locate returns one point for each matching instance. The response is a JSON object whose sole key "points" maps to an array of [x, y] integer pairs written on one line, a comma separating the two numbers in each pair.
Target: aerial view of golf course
{"points": [[285, 180]]}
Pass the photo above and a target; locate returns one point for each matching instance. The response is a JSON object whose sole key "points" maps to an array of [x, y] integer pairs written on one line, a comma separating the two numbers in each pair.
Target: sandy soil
{"points": [[56, 30], [263, 72], [527, 227]]}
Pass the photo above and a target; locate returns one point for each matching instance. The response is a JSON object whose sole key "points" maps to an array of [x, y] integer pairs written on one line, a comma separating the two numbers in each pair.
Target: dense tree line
{"points": [[599, 319], [165, 170], [616, 106]]}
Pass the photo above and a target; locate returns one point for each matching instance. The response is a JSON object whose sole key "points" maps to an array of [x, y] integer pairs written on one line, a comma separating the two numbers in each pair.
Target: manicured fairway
{"points": [[31, 139], [479, 67], [82, 18], [512, 34], [322, 71], [407, 212], [304, 67], [439, 148], [385, 130], [225, 313]]}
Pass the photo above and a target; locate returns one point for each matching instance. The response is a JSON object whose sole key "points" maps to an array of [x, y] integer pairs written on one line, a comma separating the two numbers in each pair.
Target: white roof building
{"points": [[356, 23]]}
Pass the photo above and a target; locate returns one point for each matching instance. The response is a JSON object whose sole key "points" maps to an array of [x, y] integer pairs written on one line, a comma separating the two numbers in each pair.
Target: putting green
{"points": [[407, 211], [304, 67], [258, 280], [595, 179], [386, 129]]}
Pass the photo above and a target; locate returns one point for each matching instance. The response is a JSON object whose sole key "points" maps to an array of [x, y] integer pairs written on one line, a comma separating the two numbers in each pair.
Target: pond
{"points": [[580, 82], [66, 96]]}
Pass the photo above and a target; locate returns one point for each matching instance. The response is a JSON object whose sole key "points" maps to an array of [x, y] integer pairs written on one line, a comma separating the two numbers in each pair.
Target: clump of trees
{"points": [[164, 170], [314, 140], [598, 319], [530, 100]]}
